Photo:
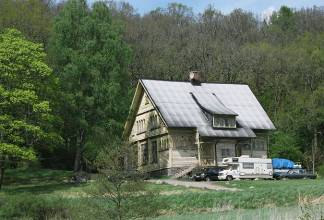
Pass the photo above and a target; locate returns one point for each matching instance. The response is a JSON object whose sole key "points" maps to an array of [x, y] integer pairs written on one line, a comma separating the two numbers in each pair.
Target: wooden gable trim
{"points": [[133, 110], [154, 105]]}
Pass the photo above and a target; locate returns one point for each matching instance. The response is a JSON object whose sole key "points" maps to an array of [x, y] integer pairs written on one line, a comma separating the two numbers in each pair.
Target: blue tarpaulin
{"points": [[280, 163]]}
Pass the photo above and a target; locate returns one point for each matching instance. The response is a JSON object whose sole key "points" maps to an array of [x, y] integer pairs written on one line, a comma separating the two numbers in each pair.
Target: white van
{"points": [[245, 167]]}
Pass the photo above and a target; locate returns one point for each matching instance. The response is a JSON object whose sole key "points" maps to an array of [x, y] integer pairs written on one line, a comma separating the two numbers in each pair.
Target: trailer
{"points": [[245, 167]]}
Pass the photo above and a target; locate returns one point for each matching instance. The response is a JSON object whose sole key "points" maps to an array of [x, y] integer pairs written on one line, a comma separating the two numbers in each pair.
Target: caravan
{"points": [[245, 167]]}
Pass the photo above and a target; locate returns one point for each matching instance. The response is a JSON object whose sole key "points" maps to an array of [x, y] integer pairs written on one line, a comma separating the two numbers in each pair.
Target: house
{"points": [[176, 125]]}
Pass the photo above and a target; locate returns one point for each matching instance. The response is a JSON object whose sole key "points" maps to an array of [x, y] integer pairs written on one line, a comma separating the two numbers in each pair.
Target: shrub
{"points": [[321, 170]]}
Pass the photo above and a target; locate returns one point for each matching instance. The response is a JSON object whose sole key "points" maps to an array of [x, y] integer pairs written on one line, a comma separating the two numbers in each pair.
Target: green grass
{"points": [[39, 181], [254, 197], [286, 213]]}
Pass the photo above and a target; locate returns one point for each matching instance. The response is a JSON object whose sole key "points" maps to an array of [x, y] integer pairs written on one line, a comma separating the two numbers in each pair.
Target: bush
{"points": [[29, 206], [321, 170]]}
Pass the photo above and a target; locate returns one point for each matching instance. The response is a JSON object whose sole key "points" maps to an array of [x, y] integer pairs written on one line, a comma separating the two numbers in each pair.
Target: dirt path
{"points": [[201, 185]]}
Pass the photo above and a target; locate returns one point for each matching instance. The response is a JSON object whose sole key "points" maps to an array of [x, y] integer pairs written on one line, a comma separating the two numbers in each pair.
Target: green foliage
{"points": [[79, 202], [91, 62], [321, 170], [23, 75], [284, 18], [284, 146], [27, 206], [15, 151], [32, 17], [23, 111], [123, 187], [282, 60]]}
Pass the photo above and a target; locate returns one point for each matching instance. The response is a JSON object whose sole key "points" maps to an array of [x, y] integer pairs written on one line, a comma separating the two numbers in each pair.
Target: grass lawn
{"points": [[310, 212], [39, 182], [260, 198]]}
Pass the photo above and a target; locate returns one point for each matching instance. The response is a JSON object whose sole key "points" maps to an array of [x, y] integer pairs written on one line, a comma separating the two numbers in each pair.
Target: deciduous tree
{"points": [[24, 114]]}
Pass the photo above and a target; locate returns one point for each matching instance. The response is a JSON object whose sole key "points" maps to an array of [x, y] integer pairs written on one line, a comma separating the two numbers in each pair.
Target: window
{"points": [[140, 124], [246, 147], [248, 165], [269, 165], [227, 123], [224, 121], [226, 152], [164, 145], [154, 122], [154, 152], [145, 154], [260, 144]]}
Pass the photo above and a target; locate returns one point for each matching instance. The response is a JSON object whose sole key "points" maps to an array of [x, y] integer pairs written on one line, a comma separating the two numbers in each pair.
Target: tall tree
{"points": [[91, 62], [24, 114]]}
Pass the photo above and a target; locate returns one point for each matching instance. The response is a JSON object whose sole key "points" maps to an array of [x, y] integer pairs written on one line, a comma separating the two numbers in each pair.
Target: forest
{"points": [[68, 72]]}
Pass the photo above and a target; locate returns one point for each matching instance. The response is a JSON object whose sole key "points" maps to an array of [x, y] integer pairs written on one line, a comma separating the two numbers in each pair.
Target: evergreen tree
{"points": [[91, 62]]}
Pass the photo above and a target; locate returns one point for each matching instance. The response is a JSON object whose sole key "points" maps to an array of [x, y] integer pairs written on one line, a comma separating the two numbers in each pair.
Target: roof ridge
{"points": [[184, 81]]}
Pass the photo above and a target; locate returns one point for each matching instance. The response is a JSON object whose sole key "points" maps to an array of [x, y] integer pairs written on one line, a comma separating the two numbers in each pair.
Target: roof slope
{"points": [[181, 104]]}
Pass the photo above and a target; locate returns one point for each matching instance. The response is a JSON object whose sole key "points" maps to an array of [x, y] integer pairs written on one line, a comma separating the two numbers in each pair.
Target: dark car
{"points": [[294, 174], [208, 174]]}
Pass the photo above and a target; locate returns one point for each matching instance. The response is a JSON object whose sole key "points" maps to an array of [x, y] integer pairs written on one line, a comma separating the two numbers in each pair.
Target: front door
{"points": [[225, 149]]}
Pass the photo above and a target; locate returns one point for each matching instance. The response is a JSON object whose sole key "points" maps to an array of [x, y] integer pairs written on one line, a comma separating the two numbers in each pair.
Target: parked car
{"points": [[294, 174], [208, 174]]}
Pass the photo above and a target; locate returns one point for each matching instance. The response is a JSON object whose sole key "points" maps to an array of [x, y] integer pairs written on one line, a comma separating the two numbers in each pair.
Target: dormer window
{"points": [[224, 121]]}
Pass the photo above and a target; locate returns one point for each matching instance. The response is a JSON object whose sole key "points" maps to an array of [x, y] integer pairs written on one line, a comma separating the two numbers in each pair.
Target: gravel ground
{"points": [[201, 185]]}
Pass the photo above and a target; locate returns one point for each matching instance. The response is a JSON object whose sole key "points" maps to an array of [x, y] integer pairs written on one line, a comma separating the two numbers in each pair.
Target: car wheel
{"points": [[229, 178], [208, 179]]}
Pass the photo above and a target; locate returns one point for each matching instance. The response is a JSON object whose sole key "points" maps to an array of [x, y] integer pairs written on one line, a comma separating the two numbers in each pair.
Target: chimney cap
{"points": [[194, 77]]}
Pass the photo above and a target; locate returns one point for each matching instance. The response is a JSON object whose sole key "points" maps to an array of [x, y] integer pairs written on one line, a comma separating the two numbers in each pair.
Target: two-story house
{"points": [[174, 125]]}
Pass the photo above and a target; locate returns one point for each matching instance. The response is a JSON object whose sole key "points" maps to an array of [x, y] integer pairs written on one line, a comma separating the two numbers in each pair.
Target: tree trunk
{"points": [[314, 149], [78, 152], [77, 159], [2, 171]]}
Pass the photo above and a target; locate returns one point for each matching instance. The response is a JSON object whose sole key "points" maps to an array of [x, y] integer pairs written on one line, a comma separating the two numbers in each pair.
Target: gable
{"points": [[142, 113], [145, 104]]}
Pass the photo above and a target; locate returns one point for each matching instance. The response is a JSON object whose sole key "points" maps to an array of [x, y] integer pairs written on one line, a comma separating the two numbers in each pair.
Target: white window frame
{"points": [[223, 120]]}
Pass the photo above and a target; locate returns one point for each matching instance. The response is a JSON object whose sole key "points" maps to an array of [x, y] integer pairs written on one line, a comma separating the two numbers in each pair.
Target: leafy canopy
{"points": [[23, 112], [91, 62]]}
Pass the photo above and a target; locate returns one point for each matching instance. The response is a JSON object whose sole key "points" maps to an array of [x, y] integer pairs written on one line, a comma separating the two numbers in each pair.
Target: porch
{"points": [[212, 152]]}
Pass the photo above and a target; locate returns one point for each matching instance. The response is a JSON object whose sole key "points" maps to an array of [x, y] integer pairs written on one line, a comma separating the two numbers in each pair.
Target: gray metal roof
{"points": [[175, 102], [209, 131]]}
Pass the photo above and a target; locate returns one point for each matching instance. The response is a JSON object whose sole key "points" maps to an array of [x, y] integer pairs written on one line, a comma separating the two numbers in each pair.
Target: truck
{"points": [[245, 167]]}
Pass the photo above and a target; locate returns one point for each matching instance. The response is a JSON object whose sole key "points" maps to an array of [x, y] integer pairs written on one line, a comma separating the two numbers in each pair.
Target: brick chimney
{"points": [[194, 77]]}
